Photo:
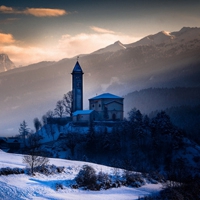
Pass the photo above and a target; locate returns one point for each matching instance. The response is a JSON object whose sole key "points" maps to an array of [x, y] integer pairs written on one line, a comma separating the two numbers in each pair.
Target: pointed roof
{"points": [[77, 68], [106, 96]]}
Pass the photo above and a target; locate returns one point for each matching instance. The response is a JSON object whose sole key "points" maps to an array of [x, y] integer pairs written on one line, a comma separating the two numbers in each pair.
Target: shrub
{"points": [[104, 181], [8, 171], [103, 177], [87, 177], [48, 169], [134, 179]]}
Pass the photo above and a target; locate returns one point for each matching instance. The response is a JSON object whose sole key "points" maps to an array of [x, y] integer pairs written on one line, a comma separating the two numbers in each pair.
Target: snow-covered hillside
{"points": [[22, 186]]}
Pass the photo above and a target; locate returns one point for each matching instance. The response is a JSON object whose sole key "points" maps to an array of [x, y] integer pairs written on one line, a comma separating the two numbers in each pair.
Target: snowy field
{"points": [[40, 186]]}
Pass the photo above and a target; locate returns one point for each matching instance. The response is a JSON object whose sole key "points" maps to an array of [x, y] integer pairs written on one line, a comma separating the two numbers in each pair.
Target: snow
{"points": [[39, 187], [166, 33], [106, 96], [82, 112]]}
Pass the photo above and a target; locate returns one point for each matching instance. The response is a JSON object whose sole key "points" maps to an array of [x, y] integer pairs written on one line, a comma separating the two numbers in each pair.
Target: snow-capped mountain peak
{"points": [[181, 37], [165, 37], [5, 63], [111, 48], [118, 43], [166, 33]]}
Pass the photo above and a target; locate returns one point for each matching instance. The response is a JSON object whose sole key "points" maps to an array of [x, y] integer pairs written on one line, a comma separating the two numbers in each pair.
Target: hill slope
{"points": [[44, 187]]}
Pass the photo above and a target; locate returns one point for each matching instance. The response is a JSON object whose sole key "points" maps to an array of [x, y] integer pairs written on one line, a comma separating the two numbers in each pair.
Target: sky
{"points": [[36, 30]]}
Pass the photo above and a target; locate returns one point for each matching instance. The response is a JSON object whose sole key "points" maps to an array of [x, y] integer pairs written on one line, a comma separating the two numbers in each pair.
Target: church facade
{"points": [[104, 107], [107, 107]]}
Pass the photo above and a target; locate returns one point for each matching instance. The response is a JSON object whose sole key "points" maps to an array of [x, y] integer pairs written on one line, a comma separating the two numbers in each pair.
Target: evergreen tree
{"points": [[71, 141], [37, 124], [91, 139], [24, 131], [44, 120]]}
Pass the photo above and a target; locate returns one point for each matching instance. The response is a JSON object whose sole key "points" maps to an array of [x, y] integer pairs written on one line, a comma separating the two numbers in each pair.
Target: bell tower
{"points": [[77, 87]]}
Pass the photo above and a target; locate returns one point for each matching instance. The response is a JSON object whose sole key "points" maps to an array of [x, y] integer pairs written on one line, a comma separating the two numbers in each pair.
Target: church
{"points": [[104, 107]]}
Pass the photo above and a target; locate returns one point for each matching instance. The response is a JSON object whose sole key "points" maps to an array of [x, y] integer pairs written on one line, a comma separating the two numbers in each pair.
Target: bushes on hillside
{"points": [[187, 189], [47, 170], [8, 171], [134, 179], [87, 179]]}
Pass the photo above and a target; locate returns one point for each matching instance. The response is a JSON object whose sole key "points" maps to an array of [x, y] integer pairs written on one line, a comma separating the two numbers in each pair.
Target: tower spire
{"points": [[77, 87]]}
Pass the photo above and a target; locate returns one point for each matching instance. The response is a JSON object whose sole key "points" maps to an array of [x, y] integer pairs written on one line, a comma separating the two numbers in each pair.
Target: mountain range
{"points": [[163, 60]]}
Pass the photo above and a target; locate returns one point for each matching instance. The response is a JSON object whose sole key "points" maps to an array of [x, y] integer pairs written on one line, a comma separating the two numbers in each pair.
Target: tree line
{"points": [[139, 142]]}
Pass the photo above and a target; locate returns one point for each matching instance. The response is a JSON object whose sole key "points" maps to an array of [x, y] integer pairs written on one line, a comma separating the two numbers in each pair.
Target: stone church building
{"points": [[107, 107], [104, 107]]}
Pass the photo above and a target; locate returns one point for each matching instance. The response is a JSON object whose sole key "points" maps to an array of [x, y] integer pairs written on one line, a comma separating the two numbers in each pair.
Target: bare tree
{"points": [[50, 114], [24, 131], [36, 156], [59, 110], [68, 102]]}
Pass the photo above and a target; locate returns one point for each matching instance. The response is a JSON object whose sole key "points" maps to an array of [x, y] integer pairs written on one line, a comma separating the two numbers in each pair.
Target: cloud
{"points": [[6, 38], [101, 30], [86, 43], [37, 12], [67, 46], [6, 9], [45, 12], [8, 20], [25, 55]]}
